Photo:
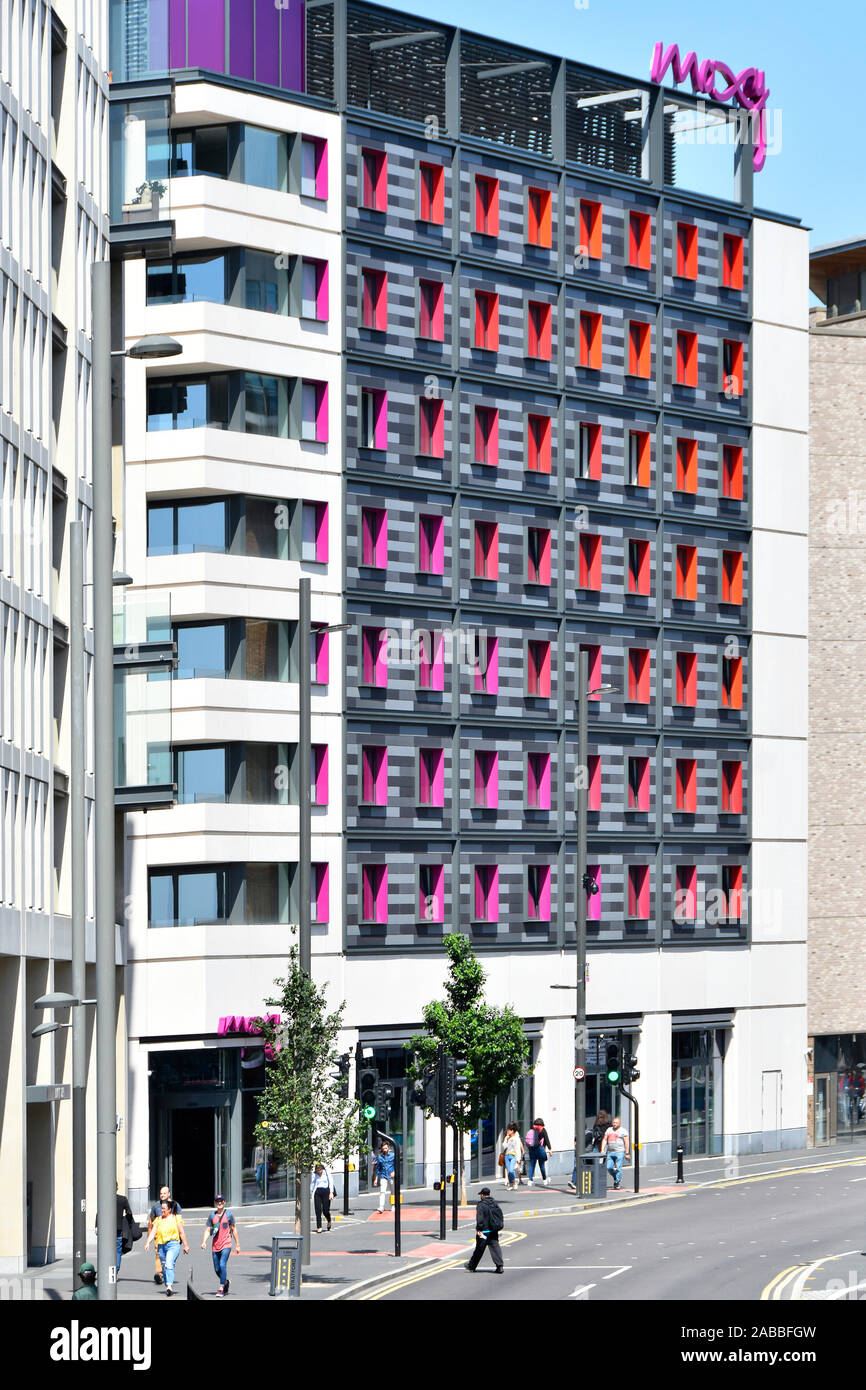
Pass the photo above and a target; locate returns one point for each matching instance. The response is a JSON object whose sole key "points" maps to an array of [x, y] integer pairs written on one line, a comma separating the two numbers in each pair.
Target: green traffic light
{"points": [[369, 1112], [613, 1077]]}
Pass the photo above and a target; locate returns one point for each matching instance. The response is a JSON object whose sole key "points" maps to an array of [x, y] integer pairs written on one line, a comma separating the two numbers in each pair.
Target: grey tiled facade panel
{"points": [[707, 290]]}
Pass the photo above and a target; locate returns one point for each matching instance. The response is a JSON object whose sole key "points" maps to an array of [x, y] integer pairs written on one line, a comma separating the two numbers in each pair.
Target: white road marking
{"points": [[581, 1289], [621, 1270]]}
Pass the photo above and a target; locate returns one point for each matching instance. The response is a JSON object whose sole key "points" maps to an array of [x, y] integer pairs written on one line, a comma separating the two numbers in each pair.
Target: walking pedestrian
{"points": [[164, 1194], [539, 1149], [593, 1137], [222, 1227], [168, 1232], [488, 1223], [260, 1160], [512, 1149], [88, 1289], [616, 1145], [124, 1213], [384, 1175], [322, 1190]]}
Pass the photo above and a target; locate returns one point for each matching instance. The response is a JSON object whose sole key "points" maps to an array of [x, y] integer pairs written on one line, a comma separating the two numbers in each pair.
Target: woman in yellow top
{"points": [[169, 1234]]}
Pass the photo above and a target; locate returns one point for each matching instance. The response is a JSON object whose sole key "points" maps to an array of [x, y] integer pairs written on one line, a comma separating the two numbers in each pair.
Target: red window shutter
{"points": [[539, 330], [639, 575], [539, 217], [639, 676], [590, 562], [687, 784], [732, 472], [732, 262], [432, 193], [732, 788], [687, 465], [687, 251], [590, 340], [732, 367], [486, 205], [687, 359], [639, 345], [732, 576], [687, 678], [590, 229], [732, 682], [538, 437], [639, 240], [687, 572]]}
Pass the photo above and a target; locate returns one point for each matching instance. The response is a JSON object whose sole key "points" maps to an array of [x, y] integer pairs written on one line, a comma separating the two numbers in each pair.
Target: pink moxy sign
{"points": [[748, 88]]}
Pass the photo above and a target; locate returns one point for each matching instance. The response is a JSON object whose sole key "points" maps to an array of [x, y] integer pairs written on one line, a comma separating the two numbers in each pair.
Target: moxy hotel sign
{"points": [[233, 1024], [748, 88]]}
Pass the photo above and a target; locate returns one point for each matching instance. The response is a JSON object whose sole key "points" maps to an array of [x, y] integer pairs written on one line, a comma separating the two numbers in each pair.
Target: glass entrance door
{"points": [[822, 1110], [693, 1093]]}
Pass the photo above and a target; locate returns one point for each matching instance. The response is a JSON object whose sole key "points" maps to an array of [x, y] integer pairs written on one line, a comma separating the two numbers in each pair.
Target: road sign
{"points": [[579, 1073]]}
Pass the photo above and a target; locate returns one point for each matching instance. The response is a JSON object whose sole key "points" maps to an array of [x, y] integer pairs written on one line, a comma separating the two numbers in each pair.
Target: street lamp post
{"points": [[79, 861], [580, 980]]}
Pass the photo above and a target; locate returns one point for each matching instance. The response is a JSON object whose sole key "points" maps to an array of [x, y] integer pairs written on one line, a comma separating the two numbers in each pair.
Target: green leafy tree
{"points": [[302, 1118], [490, 1039]]}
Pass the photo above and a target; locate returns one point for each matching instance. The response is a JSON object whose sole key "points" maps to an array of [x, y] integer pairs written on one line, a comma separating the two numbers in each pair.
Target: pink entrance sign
{"points": [[748, 88]]}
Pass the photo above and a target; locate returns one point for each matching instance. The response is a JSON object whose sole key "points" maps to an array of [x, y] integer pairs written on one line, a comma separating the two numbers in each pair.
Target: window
{"points": [[374, 776], [732, 367], [686, 572], [639, 240], [486, 550], [732, 682], [486, 205], [319, 774], [686, 901], [486, 673], [431, 544], [431, 661], [188, 403], [589, 569], [538, 781], [431, 428], [374, 300], [431, 193], [314, 532], [374, 419], [431, 776], [374, 656], [732, 262], [638, 784], [639, 675], [686, 788], [486, 893], [374, 537], [687, 359], [593, 900], [486, 434], [638, 898], [639, 458], [593, 781], [593, 669], [539, 217], [314, 290], [687, 465], [374, 180], [189, 279], [639, 576], [687, 251], [188, 528], [206, 895], [539, 330], [431, 892], [590, 340], [732, 472], [639, 349], [538, 669], [319, 905], [486, 780], [319, 659], [590, 229], [374, 893], [732, 892], [687, 678], [538, 546], [314, 411], [539, 429], [314, 167], [589, 452], [431, 310], [538, 892], [732, 576], [486, 320], [732, 787]]}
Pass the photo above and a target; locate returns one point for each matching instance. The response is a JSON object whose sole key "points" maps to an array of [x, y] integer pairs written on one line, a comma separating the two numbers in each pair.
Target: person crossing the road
{"points": [[616, 1145], [488, 1223], [384, 1172]]}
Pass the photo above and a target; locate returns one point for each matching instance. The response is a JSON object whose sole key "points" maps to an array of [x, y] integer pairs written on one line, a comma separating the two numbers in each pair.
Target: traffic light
{"points": [[461, 1080], [426, 1091], [629, 1068], [339, 1074], [368, 1084], [612, 1064], [449, 1084], [384, 1092]]}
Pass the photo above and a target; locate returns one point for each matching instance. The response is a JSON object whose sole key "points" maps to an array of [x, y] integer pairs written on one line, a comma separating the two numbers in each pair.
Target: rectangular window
{"points": [[486, 893], [639, 240], [314, 411], [732, 367], [638, 784], [374, 180], [639, 575], [319, 656], [374, 653], [431, 310], [374, 300], [431, 662], [639, 349], [732, 682], [593, 781], [593, 669], [539, 217], [486, 780], [431, 428], [639, 892], [539, 429], [539, 330], [589, 569], [374, 419], [732, 472], [732, 576], [589, 452], [538, 669], [431, 776], [687, 251], [486, 550], [687, 678], [538, 547], [732, 892], [732, 787], [590, 340], [374, 776], [686, 784], [319, 905], [538, 892], [593, 900], [431, 544], [314, 167], [486, 435], [487, 320], [486, 205], [686, 902], [732, 262], [314, 290], [374, 537], [590, 229], [538, 781], [374, 893], [319, 774], [639, 675], [639, 458], [314, 532], [486, 672], [687, 465], [686, 572], [431, 892], [431, 193], [687, 359]]}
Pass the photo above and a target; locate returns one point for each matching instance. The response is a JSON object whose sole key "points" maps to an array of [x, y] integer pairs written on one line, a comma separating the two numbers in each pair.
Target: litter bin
{"points": [[592, 1175], [286, 1266]]}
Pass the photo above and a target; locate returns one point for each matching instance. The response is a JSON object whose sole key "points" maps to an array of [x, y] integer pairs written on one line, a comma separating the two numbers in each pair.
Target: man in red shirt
{"points": [[222, 1226], [616, 1145]]}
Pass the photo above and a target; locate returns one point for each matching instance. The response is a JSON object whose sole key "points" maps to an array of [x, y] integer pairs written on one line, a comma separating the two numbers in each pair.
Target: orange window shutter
{"points": [[644, 460], [732, 262], [687, 465], [590, 229]]}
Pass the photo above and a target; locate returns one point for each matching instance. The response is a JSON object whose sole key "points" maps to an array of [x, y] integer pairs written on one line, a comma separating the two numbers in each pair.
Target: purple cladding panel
{"points": [[241, 39], [268, 42], [292, 47], [206, 21], [177, 33]]}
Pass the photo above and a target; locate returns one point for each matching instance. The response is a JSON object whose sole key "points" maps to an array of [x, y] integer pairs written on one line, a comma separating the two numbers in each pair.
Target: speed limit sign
{"points": [[579, 1073]]}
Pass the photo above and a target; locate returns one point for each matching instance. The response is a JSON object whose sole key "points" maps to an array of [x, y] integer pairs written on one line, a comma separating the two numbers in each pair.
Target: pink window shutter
{"points": [[480, 896], [425, 553], [437, 674], [322, 300], [439, 779], [493, 895], [480, 781], [367, 894], [381, 659], [439, 894], [593, 900], [532, 779], [544, 895], [493, 781], [322, 906], [368, 653], [382, 895], [425, 786], [368, 311], [368, 785], [322, 659], [438, 551], [544, 783], [439, 314], [438, 449], [381, 758], [322, 169], [322, 777], [593, 774], [380, 422], [382, 540], [322, 532]]}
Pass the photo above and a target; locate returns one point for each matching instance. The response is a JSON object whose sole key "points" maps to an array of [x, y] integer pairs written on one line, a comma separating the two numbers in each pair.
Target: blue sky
{"points": [[812, 56]]}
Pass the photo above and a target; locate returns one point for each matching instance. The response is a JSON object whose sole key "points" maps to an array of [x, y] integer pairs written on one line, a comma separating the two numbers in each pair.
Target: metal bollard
{"points": [[680, 1152]]}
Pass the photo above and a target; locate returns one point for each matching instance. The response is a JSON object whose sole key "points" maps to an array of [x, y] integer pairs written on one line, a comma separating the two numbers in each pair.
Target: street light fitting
{"points": [[152, 346], [603, 689], [56, 1001], [47, 1028]]}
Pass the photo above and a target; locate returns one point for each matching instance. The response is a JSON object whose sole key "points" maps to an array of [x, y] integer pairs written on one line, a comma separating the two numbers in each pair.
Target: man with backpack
{"points": [[488, 1224]]}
